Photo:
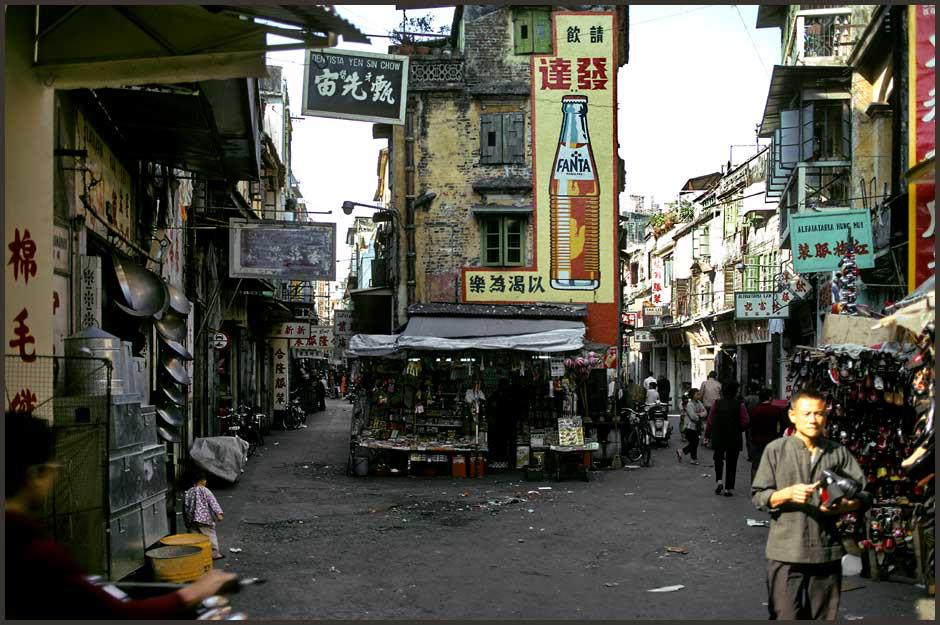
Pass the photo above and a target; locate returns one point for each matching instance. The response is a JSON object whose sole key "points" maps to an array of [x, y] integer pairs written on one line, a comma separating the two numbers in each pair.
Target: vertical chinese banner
{"points": [[658, 271], [28, 231], [921, 141], [281, 371], [574, 175]]}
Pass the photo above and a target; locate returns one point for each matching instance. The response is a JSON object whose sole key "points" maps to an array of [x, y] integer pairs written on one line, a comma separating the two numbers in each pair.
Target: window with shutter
{"points": [[523, 39], [846, 131], [751, 273], [513, 138], [491, 138], [729, 286], [807, 133], [789, 138], [704, 247], [542, 27]]}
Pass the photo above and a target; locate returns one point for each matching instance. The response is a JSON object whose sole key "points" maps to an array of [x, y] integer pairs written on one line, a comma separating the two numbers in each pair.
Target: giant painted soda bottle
{"points": [[574, 193]]}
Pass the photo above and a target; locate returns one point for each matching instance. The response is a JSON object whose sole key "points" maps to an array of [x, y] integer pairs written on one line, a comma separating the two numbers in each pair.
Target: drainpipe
{"points": [[410, 203]]}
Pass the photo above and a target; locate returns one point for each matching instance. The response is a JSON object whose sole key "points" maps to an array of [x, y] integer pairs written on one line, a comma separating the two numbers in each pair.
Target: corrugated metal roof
{"points": [[519, 311]]}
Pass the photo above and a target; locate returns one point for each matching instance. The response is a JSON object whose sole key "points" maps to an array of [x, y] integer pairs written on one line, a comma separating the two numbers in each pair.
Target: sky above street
{"points": [[694, 86]]}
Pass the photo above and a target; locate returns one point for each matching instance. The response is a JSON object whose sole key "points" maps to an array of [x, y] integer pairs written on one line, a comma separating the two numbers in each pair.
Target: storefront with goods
{"points": [[430, 404], [878, 382]]}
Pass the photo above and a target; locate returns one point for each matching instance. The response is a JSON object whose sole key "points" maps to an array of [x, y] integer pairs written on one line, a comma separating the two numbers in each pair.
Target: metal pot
{"points": [[176, 348], [173, 365], [84, 375], [170, 415], [178, 301], [170, 391], [171, 327], [144, 291], [168, 434]]}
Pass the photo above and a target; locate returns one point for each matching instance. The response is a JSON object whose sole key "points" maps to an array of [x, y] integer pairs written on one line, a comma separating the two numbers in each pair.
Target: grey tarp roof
{"points": [[461, 327], [557, 340]]}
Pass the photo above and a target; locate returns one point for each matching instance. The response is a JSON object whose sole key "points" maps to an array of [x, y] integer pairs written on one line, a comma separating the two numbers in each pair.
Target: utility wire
{"points": [[748, 32]]}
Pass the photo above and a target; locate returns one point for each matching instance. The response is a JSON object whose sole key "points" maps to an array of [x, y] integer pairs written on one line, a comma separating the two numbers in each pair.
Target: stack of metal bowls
{"points": [[172, 379]]}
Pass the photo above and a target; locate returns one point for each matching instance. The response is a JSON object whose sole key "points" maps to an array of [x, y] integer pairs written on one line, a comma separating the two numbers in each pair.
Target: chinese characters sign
{"points": [[271, 249], [281, 372], [343, 322], [356, 85], [922, 144], [761, 305], [574, 174], [302, 335], [111, 197], [819, 240]]}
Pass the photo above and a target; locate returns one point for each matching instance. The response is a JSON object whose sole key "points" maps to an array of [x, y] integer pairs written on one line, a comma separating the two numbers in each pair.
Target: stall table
{"points": [[570, 460]]}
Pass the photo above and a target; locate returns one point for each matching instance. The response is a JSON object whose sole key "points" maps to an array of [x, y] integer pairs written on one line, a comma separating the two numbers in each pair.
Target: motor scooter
{"points": [[659, 423], [214, 608]]}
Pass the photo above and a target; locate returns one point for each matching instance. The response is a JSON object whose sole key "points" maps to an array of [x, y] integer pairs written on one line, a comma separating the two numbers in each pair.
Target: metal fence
{"points": [[75, 514]]}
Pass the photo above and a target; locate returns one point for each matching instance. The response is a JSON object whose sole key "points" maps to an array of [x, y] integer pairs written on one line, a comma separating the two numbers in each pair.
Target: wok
{"points": [[173, 365], [145, 293], [171, 327]]}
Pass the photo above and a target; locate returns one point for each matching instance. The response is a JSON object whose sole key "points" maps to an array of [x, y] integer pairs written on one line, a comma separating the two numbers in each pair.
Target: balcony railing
{"points": [[435, 73], [827, 35]]}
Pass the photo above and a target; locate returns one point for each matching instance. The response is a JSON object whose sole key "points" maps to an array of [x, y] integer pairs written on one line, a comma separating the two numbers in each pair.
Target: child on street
{"points": [[201, 511]]}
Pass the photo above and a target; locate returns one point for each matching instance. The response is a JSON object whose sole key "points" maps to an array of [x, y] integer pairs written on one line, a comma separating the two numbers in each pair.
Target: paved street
{"points": [[333, 546]]}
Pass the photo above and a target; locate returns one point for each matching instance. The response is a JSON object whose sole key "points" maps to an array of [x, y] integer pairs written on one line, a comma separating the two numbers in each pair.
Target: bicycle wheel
{"points": [[647, 451], [290, 420], [632, 446]]}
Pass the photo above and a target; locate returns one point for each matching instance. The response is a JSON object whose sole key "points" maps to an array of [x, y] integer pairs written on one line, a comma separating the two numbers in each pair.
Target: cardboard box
{"points": [[846, 329]]}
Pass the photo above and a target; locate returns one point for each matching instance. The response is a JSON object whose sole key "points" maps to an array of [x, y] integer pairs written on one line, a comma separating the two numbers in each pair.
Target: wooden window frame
{"points": [[503, 227]]}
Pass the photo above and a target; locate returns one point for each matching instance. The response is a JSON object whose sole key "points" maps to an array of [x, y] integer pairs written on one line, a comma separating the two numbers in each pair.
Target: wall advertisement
{"points": [[921, 142], [574, 169]]}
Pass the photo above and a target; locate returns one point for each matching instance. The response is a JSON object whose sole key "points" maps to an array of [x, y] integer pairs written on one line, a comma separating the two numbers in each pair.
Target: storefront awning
{"points": [[559, 340], [89, 46], [471, 327]]}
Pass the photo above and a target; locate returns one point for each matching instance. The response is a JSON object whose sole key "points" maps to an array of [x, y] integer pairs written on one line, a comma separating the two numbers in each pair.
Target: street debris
{"points": [[667, 588], [306, 466], [849, 617], [631, 467], [628, 494], [682, 550], [612, 584], [521, 540], [756, 523], [276, 444], [234, 550], [545, 487], [530, 510], [333, 569]]}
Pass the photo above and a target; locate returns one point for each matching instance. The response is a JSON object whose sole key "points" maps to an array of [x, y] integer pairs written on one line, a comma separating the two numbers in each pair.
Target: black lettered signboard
{"points": [[356, 85]]}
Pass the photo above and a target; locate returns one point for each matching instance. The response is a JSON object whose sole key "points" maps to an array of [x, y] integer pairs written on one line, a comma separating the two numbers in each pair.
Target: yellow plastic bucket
{"points": [[178, 563], [192, 540]]}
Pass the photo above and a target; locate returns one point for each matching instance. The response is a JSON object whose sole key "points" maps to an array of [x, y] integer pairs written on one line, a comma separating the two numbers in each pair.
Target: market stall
{"points": [[437, 405], [880, 404]]}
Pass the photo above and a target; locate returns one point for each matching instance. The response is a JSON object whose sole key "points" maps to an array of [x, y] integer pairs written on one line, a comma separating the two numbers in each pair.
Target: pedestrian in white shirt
{"points": [[650, 379], [652, 395]]}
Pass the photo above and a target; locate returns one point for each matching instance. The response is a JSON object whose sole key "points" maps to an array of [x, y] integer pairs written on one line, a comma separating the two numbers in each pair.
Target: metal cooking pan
{"points": [[170, 415], [173, 365], [171, 327], [178, 301], [176, 348], [168, 434], [144, 291]]}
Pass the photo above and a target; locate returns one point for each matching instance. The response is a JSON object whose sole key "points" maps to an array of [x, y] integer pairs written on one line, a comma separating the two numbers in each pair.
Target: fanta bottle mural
{"points": [[574, 194]]}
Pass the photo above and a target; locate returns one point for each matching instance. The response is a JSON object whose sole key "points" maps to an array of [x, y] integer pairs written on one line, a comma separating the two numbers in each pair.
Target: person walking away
{"points": [[201, 511], [664, 387], [652, 395], [43, 581], [342, 386], [750, 400], [711, 390], [766, 424], [804, 549], [694, 413], [726, 421], [635, 393], [650, 379]]}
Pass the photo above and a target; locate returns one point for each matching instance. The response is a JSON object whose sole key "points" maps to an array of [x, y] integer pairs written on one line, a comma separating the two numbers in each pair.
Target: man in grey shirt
{"points": [[804, 549]]}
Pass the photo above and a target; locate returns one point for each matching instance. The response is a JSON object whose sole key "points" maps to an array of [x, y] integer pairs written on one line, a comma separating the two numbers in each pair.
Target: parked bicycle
{"points": [[243, 423], [638, 436]]}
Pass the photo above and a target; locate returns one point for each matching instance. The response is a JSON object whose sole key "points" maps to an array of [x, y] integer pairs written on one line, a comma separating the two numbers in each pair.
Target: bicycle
{"points": [[638, 441]]}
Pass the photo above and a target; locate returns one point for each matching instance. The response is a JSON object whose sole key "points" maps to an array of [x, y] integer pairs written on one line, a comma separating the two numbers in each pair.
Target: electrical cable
{"points": [[748, 32]]}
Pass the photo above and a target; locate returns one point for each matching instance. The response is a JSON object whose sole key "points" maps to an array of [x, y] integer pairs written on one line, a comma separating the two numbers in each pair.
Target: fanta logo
{"points": [[573, 164]]}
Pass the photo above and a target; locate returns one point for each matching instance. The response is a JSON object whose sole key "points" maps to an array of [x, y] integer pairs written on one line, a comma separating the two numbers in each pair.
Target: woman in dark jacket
{"points": [[726, 422]]}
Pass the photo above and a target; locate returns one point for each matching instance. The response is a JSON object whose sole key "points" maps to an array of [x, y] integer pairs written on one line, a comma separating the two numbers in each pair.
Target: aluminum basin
{"points": [[170, 416], [175, 348], [178, 301], [171, 327], [170, 435], [170, 390], [144, 291], [173, 365]]}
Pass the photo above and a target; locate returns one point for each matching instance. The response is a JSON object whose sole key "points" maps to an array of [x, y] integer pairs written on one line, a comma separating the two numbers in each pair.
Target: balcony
{"points": [[822, 35], [814, 186], [435, 73]]}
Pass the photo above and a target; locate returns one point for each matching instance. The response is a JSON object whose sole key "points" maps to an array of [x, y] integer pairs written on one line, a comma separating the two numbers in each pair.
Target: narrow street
{"points": [[334, 546]]}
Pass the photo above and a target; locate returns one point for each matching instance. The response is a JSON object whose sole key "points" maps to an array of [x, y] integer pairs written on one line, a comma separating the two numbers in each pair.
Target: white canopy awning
{"points": [[560, 340]]}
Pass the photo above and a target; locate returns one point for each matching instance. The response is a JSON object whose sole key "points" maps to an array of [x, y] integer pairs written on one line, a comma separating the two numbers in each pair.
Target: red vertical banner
{"points": [[921, 140]]}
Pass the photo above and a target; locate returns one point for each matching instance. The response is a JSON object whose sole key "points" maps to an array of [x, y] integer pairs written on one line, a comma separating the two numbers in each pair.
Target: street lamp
{"points": [[381, 214]]}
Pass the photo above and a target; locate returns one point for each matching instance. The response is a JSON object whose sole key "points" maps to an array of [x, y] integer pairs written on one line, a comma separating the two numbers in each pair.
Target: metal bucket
{"points": [[361, 466], [191, 540], [177, 563], [85, 376]]}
